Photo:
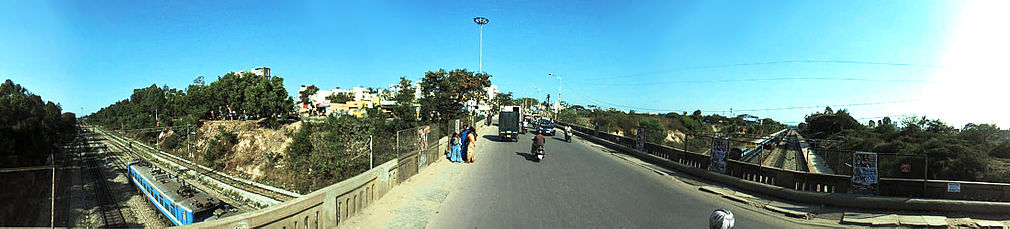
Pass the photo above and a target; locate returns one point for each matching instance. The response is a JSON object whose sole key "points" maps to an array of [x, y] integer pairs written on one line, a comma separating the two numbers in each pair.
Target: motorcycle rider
{"points": [[538, 141], [568, 133]]}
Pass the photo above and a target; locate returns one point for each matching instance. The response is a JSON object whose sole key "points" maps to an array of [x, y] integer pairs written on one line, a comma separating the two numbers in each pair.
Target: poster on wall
{"points": [[718, 157], [640, 141], [864, 173]]}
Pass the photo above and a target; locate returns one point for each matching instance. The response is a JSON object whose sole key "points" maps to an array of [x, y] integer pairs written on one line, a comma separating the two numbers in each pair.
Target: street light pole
{"points": [[557, 109], [538, 93], [481, 21]]}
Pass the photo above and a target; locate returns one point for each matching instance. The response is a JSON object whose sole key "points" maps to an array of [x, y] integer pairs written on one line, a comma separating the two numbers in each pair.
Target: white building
{"points": [[260, 71]]}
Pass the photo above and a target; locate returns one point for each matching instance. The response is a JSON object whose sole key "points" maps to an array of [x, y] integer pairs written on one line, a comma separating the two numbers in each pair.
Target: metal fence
{"points": [[900, 175]]}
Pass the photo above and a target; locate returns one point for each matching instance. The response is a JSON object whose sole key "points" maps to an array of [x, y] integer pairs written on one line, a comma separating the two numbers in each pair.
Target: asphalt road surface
{"points": [[579, 185]]}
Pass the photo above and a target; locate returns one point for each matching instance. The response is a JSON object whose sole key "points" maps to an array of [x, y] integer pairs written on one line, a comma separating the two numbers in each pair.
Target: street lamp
{"points": [[481, 21], [535, 95], [556, 109]]}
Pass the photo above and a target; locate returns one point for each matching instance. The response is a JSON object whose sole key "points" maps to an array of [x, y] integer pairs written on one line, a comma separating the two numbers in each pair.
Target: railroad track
{"points": [[107, 204], [246, 186]]}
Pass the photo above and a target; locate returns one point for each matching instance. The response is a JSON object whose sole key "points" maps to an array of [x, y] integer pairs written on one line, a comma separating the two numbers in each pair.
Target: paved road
{"points": [[578, 186]]}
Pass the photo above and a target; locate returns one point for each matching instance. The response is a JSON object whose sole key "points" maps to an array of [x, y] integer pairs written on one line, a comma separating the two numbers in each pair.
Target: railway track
{"points": [[108, 206], [121, 148], [244, 185]]}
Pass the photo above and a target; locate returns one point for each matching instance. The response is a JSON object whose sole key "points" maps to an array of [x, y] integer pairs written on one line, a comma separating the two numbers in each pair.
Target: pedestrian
{"points": [[472, 145], [465, 140], [457, 149]]}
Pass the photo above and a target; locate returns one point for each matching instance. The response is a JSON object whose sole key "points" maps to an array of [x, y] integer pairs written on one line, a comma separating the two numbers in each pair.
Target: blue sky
{"points": [[644, 55]]}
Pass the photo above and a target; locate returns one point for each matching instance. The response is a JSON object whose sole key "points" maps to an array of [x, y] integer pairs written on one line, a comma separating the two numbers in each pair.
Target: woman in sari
{"points": [[471, 146]]}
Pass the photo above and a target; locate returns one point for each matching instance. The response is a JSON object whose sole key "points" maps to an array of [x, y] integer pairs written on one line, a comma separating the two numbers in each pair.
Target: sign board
{"points": [[720, 147], [864, 173], [953, 187], [751, 145], [640, 141]]}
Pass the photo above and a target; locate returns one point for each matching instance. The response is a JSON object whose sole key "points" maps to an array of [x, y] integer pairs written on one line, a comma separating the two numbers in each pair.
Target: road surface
{"points": [[579, 185]]}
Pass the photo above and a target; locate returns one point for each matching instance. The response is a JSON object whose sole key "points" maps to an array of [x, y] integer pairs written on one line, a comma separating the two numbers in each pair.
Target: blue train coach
{"points": [[179, 202]]}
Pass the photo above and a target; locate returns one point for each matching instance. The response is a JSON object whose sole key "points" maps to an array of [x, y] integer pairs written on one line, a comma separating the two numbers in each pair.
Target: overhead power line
{"points": [[773, 63], [799, 78], [837, 105], [739, 110]]}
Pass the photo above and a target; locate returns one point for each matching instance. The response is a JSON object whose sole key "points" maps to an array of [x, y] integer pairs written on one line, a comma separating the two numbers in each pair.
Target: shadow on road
{"points": [[497, 138], [493, 138], [528, 156]]}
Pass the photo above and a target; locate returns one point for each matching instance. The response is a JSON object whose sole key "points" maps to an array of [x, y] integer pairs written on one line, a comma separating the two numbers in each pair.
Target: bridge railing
{"points": [[335, 204], [814, 182]]}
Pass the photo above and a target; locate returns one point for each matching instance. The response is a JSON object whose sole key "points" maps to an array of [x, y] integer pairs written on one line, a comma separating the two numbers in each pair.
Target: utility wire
{"points": [[740, 110], [837, 105], [775, 63], [798, 78]]}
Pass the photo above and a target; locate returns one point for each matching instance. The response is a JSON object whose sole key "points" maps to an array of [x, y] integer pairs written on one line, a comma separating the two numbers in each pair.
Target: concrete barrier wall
{"points": [[329, 206], [816, 188], [324, 208]]}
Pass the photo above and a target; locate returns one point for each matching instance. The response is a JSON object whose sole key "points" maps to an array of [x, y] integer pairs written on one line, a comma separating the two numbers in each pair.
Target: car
{"points": [[546, 127]]}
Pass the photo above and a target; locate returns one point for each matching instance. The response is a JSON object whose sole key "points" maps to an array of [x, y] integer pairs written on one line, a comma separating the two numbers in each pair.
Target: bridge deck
{"points": [[578, 185]]}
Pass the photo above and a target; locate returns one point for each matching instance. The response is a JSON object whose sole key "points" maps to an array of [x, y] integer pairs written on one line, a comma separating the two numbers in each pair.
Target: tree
{"points": [[655, 132], [30, 128], [341, 97], [304, 95], [444, 93], [1002, 150], [820, 125], [404, 108], [885, 126], [503, 99], [979, 133]]}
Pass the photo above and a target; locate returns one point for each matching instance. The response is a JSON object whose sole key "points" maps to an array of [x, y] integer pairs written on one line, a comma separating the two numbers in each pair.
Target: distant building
{"points": [[750, 119], [361, 99], [260, 71]]}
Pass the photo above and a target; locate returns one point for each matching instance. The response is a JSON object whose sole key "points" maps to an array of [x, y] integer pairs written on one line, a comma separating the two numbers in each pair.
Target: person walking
{"points": [[455, 154], [471, 145], [465, 140]]}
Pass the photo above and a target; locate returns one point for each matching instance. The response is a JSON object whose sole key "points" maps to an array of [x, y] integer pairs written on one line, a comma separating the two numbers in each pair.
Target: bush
{"points": [[270, 122], [219, 147], [1002, 150], [171, 141]]}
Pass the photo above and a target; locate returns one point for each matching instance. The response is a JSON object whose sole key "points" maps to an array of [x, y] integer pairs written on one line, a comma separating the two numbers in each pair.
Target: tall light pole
{"points": [[558, 108], [537, 94], [481, 21]]}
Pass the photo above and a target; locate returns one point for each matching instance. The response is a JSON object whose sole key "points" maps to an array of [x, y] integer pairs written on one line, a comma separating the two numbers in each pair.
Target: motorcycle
{"points": [[539, 153], [568, 136]]}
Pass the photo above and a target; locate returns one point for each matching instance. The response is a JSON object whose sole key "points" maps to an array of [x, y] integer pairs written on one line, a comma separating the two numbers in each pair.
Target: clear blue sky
{"points": [[649, 55]]}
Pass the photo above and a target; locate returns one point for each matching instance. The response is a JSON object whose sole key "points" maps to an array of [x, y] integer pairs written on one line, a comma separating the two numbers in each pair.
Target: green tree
{"points": [[444, 93], [979, 133], [303, 96], [503, 99], [341, 97], [404, 110], [655, 132], [30, 128]]}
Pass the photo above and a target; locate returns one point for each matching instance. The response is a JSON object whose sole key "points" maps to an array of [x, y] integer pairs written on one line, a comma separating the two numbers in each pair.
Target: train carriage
{"points": [[179, 202]]}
